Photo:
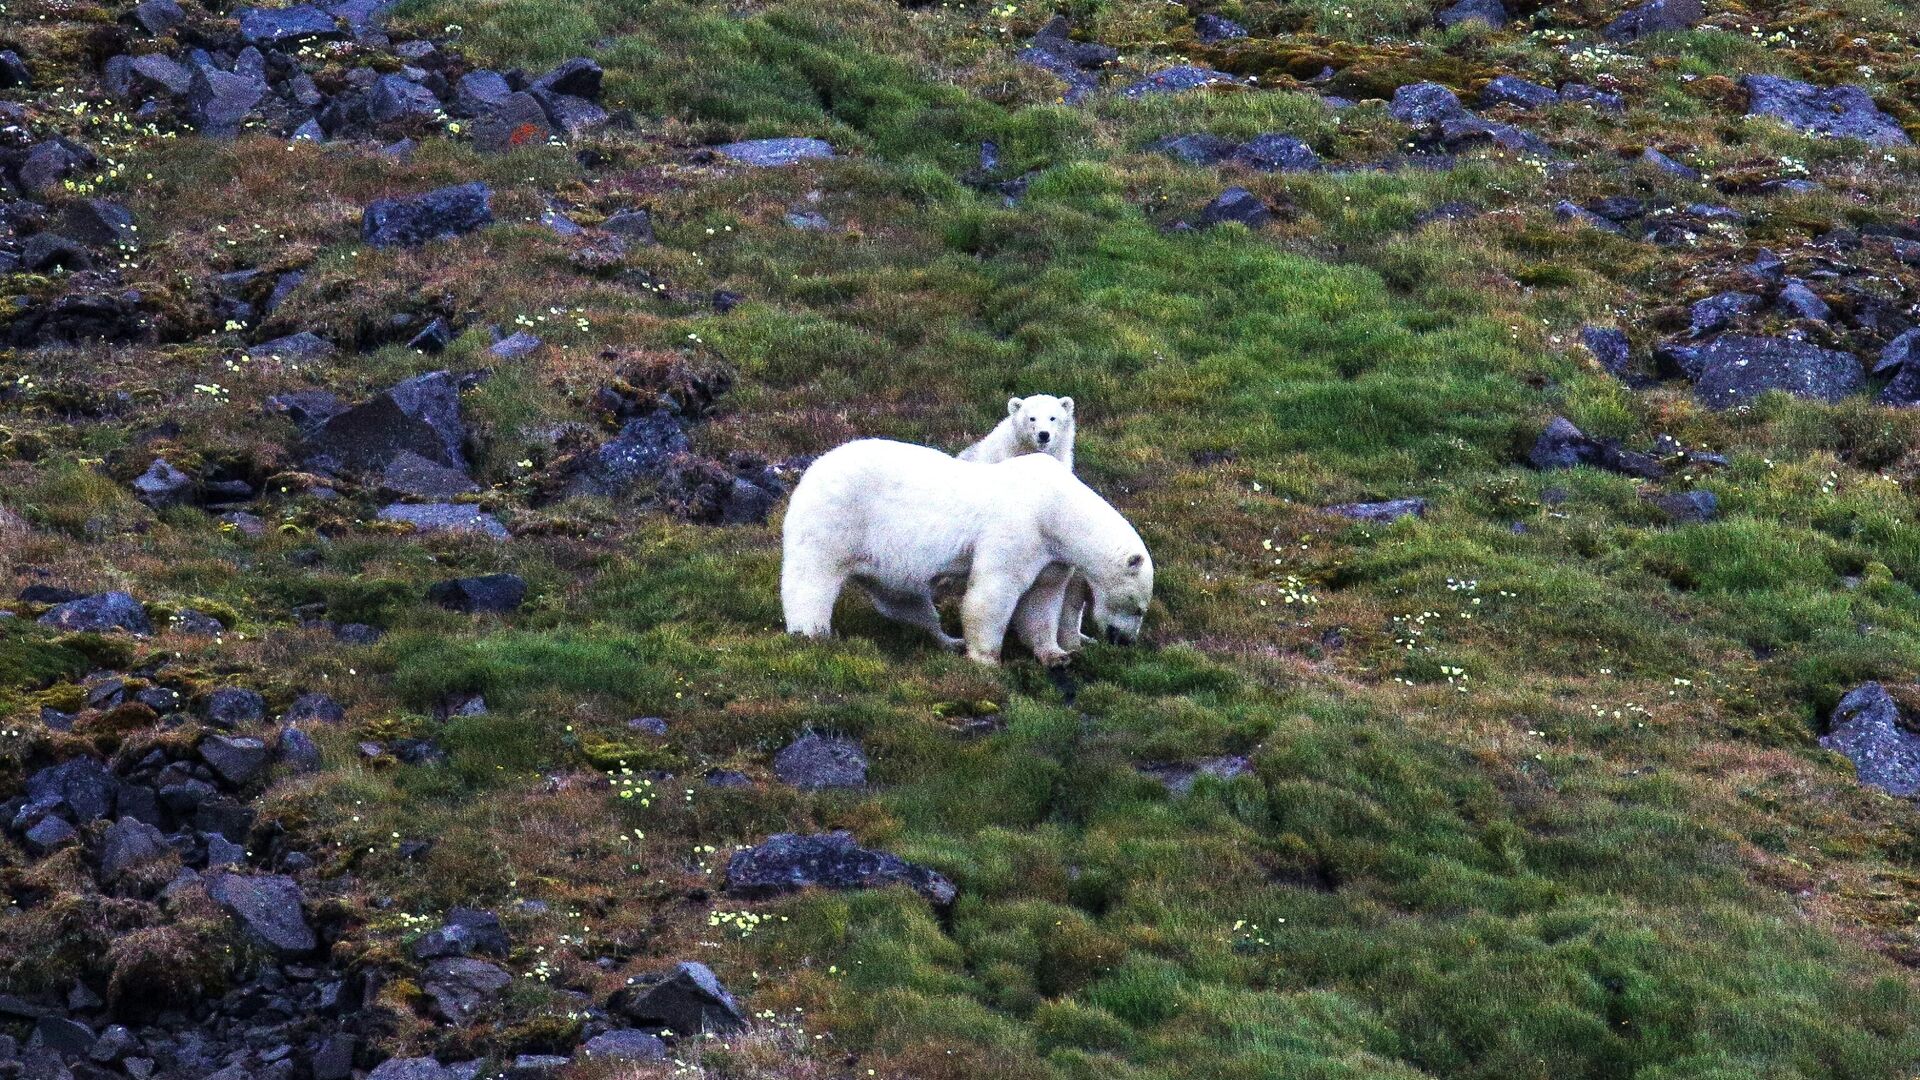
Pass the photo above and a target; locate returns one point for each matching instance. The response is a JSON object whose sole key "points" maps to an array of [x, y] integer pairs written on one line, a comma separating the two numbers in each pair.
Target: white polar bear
{"points": [[893, 518], [1041, 424]]}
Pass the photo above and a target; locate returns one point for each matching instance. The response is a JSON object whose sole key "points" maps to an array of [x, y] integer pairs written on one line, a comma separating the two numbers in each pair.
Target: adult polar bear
{"points": [[893, 518]]}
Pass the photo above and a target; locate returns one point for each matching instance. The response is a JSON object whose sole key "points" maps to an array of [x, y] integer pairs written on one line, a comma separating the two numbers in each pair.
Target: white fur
{"points": [[893, 518], [1041, 424]]}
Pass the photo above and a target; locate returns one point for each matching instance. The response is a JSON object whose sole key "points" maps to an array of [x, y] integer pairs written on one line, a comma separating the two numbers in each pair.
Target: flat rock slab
{"points": [[494, 593], [1842, 112], [1178, 80], [789, 862], [1179, 777], [434, 215], [1656, 16], [1868, 727], [98, 614], [455, 518], [772, 153], [1381, 512], [1735, 369], [815, 762], [267, 27]]}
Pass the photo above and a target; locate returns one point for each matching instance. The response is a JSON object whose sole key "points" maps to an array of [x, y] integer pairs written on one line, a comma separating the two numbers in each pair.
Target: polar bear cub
{"points": [[893, 518], [1041, 424]]}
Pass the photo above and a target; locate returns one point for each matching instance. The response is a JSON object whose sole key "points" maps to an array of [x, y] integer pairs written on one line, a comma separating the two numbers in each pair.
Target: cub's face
{"points": [[1121, 605], [1042, 420]]}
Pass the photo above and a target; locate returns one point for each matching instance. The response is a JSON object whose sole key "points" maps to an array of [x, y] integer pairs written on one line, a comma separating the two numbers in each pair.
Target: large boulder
{"points": [[239, 760], [1842, 112], [99, 614], [1274, 152], [434, 215], [1869, 728], [1734, 369], [685, 1000], [1653, 17], [789, 862], [268, 907], [274, 27], [420, 415], [517, 120], [462, 987], [814, 762]]}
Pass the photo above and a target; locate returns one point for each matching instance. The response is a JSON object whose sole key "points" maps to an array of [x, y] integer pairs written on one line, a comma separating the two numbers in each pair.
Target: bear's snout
{"points": [[1116, 636], [1044, 437]]}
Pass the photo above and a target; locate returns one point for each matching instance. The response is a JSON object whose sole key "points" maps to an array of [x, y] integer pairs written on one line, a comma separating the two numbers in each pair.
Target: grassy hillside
{"points": [[1533, 789]]}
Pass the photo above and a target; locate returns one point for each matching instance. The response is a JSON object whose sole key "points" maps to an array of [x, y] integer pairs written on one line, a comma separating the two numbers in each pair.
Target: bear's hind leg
{"points": [[1038, 617], [915, 611]]}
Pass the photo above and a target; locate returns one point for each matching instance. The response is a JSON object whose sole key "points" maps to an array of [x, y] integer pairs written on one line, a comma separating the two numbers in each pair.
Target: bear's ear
{"points": [[1013, 406], [1135, 561], [1067, 404]]}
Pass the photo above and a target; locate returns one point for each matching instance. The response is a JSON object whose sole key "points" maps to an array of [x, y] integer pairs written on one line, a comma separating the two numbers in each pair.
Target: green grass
{"points": [[1534, 791]]}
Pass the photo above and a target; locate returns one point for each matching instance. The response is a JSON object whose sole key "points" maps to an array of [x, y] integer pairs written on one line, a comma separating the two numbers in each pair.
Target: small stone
{"points": [[633, 226], [815, 762], [296, 750], [648, 725], [1665, 164], [1178, 80], [1801, 302], [162, 486], [1214, 29], [1721, 310], [127, 844], [1517, 92], [1490, 12], [461, 987], [1654, 17], [315, 707], [1236, 204], [1689, 507], [492, 593], [234, 707], [1609, 347], [422, 1068], [514, 346], [1274, 152], [1199, 148], [49, 834]]}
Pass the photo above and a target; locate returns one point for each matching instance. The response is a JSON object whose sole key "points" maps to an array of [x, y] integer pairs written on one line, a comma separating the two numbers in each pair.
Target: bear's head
{"points": [[1121, 595], [1042, 421]]}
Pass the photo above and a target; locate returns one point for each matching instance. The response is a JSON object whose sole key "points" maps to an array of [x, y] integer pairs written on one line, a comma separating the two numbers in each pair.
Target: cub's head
{"points": [[1121, 595], [1042, 421]]}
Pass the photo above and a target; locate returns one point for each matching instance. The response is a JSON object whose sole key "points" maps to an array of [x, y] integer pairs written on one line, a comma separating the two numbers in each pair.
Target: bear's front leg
{"points": [[985, 613]]}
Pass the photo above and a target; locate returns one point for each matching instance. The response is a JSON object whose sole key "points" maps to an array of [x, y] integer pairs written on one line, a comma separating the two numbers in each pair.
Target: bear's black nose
{"points": [[1044, 437]]}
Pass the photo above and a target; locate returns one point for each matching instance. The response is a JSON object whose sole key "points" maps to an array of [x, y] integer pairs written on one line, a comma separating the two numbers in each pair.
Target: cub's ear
{"points": [[1013, 406], [1135, 561], [1067, 404]]}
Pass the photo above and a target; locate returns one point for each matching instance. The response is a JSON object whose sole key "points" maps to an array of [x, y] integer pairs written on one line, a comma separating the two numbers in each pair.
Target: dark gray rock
{"points": [[333, 1058], [480, 92], [422, 1068], [1592, 97], [1801, 302], [301, 347], [68, 1038], [1236, 204], [641, 450], [221, 851], [462, 987], [1178, 80], [1274, 152], [1667, 165], [99, 614], [114, 1044], [494, 593], [1609, 347], [1566, 210], [128, 844], [1380, 512], [435, 215], [1491, 12], [579, 77], [632, 226], [393, 97], [686, 1001], [157, 73], [99, 222], [157, 17], [648, 725], [457, 518], [315, 707], [1563, 446], [1198, 148], [306, 408], [1766, 266], [1842, 112], [569, 115], [1688, 507], [536, 1066], [49, 834], [815, 762], [269, 907], [219, 102], [234, 707], [1214, 29], [1735, 369], [466, 931], [624, 1044], [1425, 105], [433, 338], [296, 750], [516, 121], [49, 162], [162, 486], [1869, 728], [1654, 17], [420, 415], [772, 153], [1517, 92], [272, 27], [788, 862], [518, 344], [411, 476], [13, 70], [1719, 311], [239, 760], [44, 252]]}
